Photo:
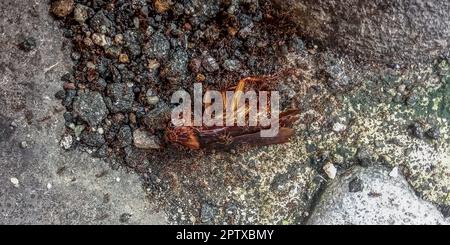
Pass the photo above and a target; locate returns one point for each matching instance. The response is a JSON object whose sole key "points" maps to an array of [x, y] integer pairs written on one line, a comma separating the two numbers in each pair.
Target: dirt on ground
{"points": [[130, 56]]}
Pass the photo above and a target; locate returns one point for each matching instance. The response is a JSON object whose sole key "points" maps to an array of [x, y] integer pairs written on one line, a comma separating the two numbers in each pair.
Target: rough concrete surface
{"points": [[381, 198], [39, 182], [350, 115], [402, 31]]}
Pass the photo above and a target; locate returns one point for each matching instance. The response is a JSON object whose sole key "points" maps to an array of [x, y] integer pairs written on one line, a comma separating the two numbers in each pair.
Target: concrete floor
{"points": [[39, 182]]}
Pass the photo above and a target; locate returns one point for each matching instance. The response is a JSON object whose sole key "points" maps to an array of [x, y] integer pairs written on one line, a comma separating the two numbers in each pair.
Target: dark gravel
{"points": [[89, 107], [27, 44], [364, 157], [417, 130], [356, 185], [130, 56], [434, 133]]}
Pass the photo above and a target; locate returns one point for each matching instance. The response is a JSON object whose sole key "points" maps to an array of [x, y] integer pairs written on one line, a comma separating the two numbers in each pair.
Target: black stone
{"points": [[93, 139], [100, 23], [210, 64], [208, 213], [90, 107], [101, 152], [68, 117], [434, 133], [417, 130], [60, 95], [69, 97], [125, 217], [231, 65], [28, 44], [356, 185], [176, 69], [157, 47], [125, 136], [445, 210], [158, 117], [364, 157], [120, 97], [412, 99]]}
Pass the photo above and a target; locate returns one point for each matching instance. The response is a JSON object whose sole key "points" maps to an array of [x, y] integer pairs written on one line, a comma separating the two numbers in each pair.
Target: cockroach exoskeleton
{"points": [[227, 137]]}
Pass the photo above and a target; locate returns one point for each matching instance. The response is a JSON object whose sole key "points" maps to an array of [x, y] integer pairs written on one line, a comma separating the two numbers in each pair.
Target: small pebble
{"points": [[99, 39], [125, 217], [231, 65], [364, 157], [118, 39], [152, 98], [15, 182], [162, 6], [143, 140], [412, 99], [28, 44], [195, 65], [417, 130], [75, 55], [356, 185], [23, 144], [62, 8], [60, 95], [200, 77], [330, 170], [66, 142], [433, 133], [401, 89], [88, 42], [153, 64], [69, 86], [123, 58], [339, 127], [394, 172], [210, 64], [80, 13]]}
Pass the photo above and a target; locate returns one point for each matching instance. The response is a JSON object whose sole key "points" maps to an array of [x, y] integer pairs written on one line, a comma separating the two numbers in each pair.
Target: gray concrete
{"points": [[39, 182], [386, 199], [401, 31]]}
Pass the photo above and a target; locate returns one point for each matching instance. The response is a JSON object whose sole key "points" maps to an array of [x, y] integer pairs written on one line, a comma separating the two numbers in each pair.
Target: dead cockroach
{"points": [[226, 137]]}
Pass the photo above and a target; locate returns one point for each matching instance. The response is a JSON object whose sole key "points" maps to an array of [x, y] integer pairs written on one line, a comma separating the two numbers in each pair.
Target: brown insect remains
{"points": [[226, 137]]}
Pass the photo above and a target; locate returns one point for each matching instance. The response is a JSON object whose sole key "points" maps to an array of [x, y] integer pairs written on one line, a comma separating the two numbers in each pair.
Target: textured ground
{"points": [[373, 125], [40, 183]]}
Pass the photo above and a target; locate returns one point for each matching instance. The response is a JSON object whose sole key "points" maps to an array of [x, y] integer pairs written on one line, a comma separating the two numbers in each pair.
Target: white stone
{"points": [[24, 144], [383, 201], [339, 127], [330, 170], [394, 172], [66, 142], [99, 39], [15, 182], [152, 99]]}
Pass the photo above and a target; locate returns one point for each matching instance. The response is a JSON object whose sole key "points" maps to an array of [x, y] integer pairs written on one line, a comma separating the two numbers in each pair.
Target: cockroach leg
{"points": [[225, 137]]}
